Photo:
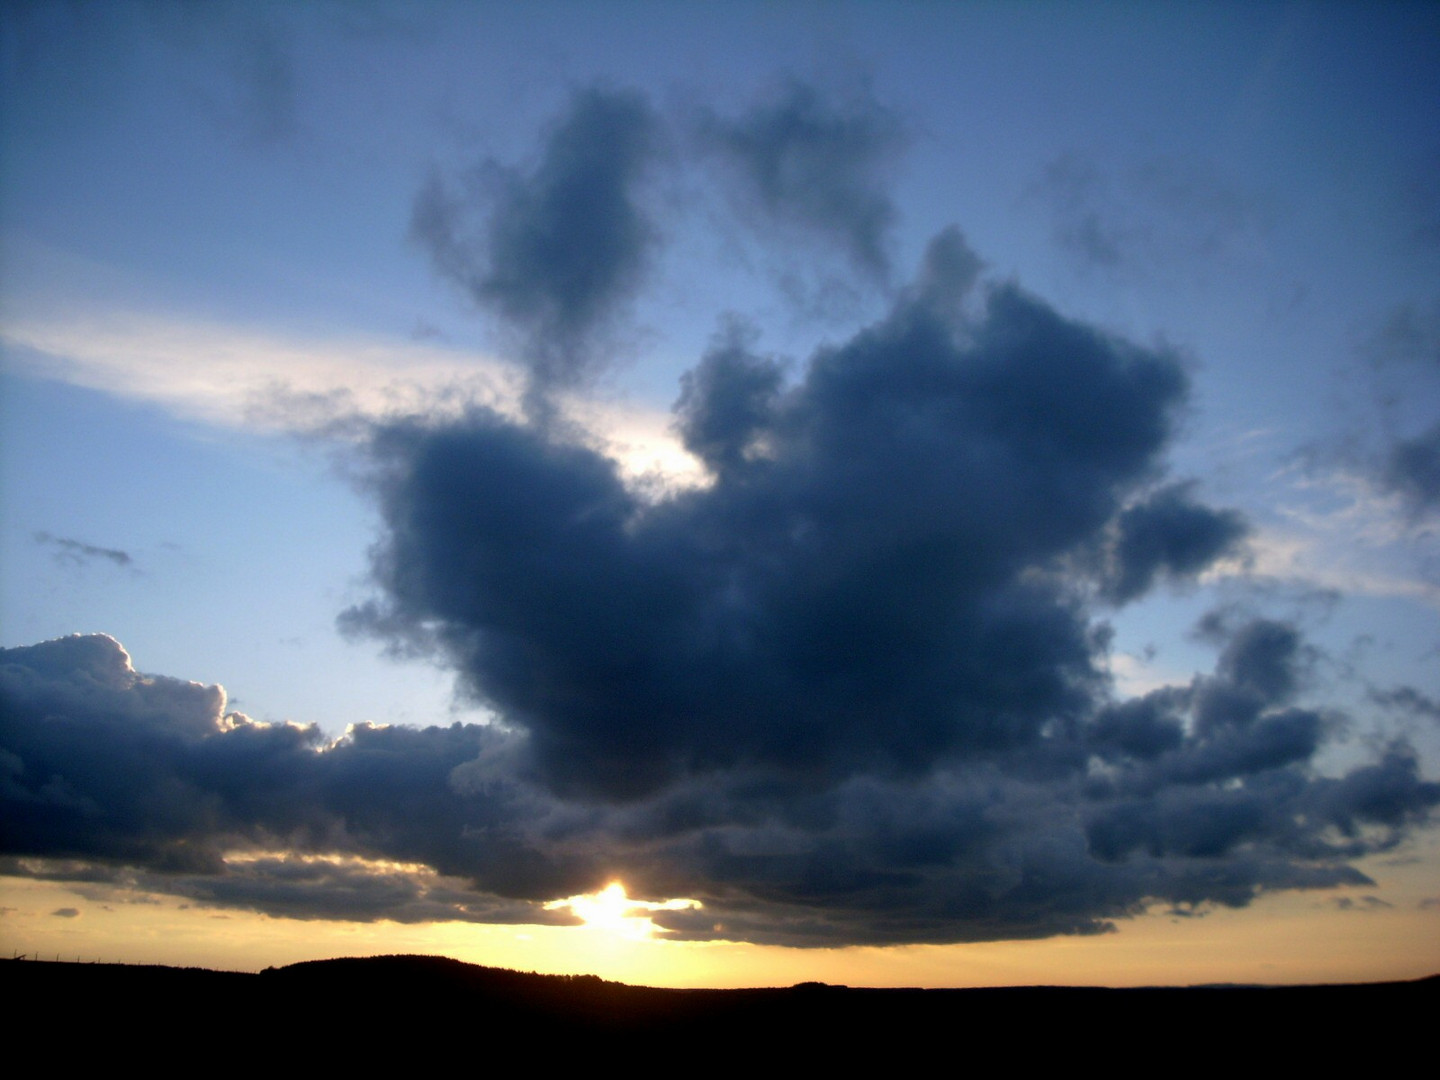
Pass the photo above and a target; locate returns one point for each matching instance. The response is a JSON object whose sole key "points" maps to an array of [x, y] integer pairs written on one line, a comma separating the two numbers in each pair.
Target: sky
{"points": [[912, 494]]}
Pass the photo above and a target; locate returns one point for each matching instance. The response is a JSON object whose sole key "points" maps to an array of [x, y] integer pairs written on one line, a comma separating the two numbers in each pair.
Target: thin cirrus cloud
{"points": [[1394, 444], [69, 551], [1157, 217], [850, 689]]}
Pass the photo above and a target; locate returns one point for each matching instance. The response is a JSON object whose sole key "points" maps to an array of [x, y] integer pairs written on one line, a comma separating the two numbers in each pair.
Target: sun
{"points": [[612, 910]]}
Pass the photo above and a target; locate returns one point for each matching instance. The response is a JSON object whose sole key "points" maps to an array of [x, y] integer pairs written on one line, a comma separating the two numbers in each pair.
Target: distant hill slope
{"points": [[388, 1009]]}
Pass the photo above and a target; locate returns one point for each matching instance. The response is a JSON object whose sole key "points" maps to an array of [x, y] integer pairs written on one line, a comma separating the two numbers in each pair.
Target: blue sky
{"points": [[234, 343]]}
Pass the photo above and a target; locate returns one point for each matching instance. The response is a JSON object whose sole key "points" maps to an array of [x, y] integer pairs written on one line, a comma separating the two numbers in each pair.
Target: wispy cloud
{"points": [[1336, 531], [236, 376], [77, 552], [1160, 216], [240, 377], [815, 165], [558, 250]]}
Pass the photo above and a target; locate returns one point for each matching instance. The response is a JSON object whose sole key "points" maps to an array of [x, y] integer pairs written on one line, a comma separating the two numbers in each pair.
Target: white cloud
{"points": [[240, 377]]}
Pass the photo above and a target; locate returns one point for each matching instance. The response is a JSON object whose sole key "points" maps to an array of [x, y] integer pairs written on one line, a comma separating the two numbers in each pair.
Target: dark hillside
{"points": [[389, 1008]]}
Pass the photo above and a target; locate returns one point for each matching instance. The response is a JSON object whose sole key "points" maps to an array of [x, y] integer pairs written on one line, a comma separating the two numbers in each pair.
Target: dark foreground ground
{"points": [[393, 1010]]}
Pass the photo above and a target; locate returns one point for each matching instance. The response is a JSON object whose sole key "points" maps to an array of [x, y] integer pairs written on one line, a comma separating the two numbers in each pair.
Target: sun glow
{"points": [[611, 909]]}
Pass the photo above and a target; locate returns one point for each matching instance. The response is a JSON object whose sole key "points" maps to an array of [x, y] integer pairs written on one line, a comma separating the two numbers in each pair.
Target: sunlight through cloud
{"points": [[611, 909]]}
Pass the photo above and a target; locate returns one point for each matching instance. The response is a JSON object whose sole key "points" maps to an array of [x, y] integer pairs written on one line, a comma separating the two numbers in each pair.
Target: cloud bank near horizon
{"points": [[1188, 796]]}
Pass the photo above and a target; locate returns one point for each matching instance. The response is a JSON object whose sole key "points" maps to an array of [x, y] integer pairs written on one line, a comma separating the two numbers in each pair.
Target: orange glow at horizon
{"points": [[1294, 937]]}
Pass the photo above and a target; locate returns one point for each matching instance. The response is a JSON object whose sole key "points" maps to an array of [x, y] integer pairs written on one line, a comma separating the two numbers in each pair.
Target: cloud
{"points": [[849, 688], [77, 553], [1334, 532], [1399, 446], [265, 78], [132, 784], [1168, 535], [555, 251], [251, 378], [817, 166], [857, 665], [1412, 471], [726, 401], [333, 387], [1409, 700], [1365, 903], [103, 768], [857, 588], [1159, 215]]}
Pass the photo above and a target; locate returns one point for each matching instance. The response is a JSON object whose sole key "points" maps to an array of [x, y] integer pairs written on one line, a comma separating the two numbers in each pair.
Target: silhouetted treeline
{"points": [[391, 1008]]}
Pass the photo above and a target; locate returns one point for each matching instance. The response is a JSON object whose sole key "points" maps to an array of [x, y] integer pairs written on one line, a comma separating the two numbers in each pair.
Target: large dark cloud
{"points": [[862, 588], [558, 249], [804, 161], [850, 690]]}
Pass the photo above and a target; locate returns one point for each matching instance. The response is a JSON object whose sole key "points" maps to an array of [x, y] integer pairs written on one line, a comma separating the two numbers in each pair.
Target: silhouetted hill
{"points": [[387, 1009]]}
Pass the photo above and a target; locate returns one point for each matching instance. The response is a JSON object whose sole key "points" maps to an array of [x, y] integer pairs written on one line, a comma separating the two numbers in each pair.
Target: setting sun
{"points": [[611, 909]]}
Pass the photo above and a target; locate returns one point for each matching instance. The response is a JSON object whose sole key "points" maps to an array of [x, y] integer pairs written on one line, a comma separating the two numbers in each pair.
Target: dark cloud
{"points": [[76, 553], [1412, 471], [1264, 657], [118, 783], [1168, 535], [1365, 903], [833, 691], [726, 402], [803, 161], [857, 588], [556, 250], [102, 767], [1408, 699], [1398, 445]]}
